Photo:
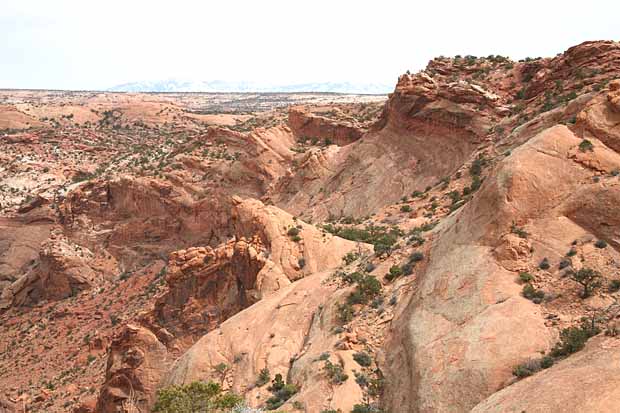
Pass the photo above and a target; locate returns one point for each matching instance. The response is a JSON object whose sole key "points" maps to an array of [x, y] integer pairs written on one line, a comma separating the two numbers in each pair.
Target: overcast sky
{"points": [[82, 44]]}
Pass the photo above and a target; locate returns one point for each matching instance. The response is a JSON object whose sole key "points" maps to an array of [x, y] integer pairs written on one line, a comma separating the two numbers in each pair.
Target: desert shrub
{"points": [[350, 257], [335, 373], [564, 263], [381, 237], [395, 272], [196, 397], [221, 368], [476, 166], [263, 377], [614, 285], [362, 358], [573, 339], [281, 392], [571, 252], [413, 259], [415, 238], [521, 233], [408, 268], [586, 146], [526, 369], [301, 262], [544, 264], [350, 277], [405, 208], [533, 294], [324, 356], [588, 278], [368, 287], [295, 238], [377, 302], [365, 408], [292, 232], [601, 243], [546, 362], [455, 196], [345, 312], [526, 277], [361, 379]]}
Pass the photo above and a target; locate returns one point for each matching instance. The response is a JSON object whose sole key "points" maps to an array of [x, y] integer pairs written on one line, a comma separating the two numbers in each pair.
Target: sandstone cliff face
{"points": [[207, 286], [306, 125], [428, 130], [457, 335]]}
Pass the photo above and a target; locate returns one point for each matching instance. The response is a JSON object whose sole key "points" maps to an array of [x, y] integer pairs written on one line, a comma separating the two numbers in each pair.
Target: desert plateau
{"points": [[450, 246]]}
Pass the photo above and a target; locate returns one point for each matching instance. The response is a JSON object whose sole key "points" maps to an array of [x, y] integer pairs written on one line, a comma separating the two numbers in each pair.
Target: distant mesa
{"points": [[175, 85]]}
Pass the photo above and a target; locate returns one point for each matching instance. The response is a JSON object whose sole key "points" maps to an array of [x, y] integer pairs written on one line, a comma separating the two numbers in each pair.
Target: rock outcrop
{"points": [[306, 125], [136, 361], [206, 286], [284, 333], [601, 117], [586, 382], [62, 270]]}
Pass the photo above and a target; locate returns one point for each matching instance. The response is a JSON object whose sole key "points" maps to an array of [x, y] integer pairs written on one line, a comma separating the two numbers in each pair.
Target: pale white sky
{"points": [[81, 44]]}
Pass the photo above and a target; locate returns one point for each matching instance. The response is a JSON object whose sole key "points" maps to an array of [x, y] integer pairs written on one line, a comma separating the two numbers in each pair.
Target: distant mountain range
{"points": [[176, 85]]}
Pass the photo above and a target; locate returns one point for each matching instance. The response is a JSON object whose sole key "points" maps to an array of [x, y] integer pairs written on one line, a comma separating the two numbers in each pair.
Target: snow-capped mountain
{"points": [[176, 85]]}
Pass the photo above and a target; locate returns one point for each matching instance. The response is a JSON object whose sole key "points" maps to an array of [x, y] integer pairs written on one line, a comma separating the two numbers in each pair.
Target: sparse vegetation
{"points": [[586, 146], [533, 294], [526, 277], [281, 392], [350, 257], [263, 377], [196, 397], [588, 278], [614, 285], [395, 271], [573, 339], [600, 244], [381, 237], [335, 373], [367, 288], [362, 358], [521, 233]]}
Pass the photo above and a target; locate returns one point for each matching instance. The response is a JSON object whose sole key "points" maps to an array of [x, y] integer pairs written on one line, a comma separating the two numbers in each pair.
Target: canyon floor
{"points": [[451, 247]]}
